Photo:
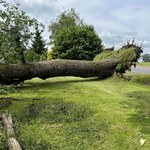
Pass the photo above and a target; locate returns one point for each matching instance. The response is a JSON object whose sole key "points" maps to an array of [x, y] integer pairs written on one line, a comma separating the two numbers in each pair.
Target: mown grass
{"points": [[144, 64], [71, 113]]}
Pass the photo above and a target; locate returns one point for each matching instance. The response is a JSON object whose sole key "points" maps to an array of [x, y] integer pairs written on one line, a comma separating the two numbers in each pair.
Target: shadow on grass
{"points": [[141, 102], [35, 89]]}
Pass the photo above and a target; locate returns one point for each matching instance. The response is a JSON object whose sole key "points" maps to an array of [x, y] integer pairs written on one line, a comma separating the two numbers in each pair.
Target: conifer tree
{"points": [[38, 43]]}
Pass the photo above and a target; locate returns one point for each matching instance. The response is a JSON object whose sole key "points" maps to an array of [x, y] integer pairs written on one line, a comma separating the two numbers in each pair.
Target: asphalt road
{"points": [[142, 70]]}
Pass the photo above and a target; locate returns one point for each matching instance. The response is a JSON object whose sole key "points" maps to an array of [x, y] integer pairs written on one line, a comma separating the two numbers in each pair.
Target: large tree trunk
{"points": [[16, 73]]}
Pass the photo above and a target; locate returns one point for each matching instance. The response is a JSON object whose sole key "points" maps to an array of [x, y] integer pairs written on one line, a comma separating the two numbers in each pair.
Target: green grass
{"points": [[144, 64], [72, 113], [140, 78]]}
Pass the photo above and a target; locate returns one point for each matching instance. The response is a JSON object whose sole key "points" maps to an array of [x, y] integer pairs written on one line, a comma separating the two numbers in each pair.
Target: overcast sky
{"points": [[116, 21]]}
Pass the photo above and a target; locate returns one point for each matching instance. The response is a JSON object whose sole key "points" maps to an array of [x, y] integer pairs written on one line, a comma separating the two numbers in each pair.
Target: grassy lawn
{"points": [[144, 64], [69, 113]]}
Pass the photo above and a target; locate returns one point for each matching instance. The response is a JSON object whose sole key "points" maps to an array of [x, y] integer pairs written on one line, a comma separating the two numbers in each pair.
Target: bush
{"points": [[32, 56], [77, 42]]}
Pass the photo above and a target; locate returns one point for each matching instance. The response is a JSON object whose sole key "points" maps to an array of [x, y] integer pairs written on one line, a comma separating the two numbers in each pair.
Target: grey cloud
{"points": [[42, 10], [121, 20]]}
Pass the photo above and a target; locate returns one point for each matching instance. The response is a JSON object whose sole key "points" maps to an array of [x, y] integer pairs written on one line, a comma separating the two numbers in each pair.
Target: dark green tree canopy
{"points": [[37, 51], [146, 57], [38, 44], [77, 42]]}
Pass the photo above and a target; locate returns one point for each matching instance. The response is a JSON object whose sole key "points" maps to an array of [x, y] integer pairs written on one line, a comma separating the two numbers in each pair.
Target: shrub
{"points": [[77, 42], [32, 56]]}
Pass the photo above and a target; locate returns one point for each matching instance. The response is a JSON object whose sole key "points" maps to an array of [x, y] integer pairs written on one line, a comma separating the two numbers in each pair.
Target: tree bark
{"points": [[16, 73], [13, 144], [8, 124], [8, 127]]}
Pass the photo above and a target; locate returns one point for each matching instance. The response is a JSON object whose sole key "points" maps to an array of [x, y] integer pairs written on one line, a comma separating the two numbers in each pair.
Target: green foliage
{"points": [[64, 20], [146, 57], [38, 44], [16, 32], [72, 39], [7, 89], [125, 57], [77, 42], [32, 56]]}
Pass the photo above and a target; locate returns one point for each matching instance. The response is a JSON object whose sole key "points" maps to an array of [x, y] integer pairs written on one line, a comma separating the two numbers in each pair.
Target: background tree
{"points": [[17, 30], [146, 57], [77, 42], [64, 20], [38, 44], [38, 50]]}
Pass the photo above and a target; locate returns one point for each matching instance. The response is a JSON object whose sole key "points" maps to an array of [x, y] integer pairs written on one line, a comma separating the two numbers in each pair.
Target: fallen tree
{"points": [[8, 127], [16, 73], [105, 66]]}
